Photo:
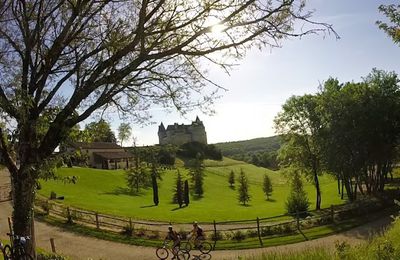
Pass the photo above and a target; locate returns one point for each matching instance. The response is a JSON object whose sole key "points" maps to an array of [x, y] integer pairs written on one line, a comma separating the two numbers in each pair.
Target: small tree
{"points": [[297, 200], [231, 178], [124, 132], [197, 174], [244, 196], [267, 186], [137, 177], [178, 193], [186, 193]]}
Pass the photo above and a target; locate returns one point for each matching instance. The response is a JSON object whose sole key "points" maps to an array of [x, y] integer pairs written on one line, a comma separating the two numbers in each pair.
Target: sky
{"points": [[266, 79]]}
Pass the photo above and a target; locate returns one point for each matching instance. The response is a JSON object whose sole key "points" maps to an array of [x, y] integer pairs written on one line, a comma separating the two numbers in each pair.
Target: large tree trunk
{"points": [[317, 187], [23, 195]]}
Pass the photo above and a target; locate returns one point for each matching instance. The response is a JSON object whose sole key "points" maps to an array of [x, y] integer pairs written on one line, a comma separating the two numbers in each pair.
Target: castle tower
{"points": [[162, 134]]}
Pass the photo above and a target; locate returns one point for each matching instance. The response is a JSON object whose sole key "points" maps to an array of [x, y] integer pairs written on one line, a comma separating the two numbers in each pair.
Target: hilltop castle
{"points": [[179, 134]]}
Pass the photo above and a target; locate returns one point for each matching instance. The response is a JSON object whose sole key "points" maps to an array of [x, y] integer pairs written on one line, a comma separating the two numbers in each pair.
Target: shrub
{"points": [[154, 235], [252, 233], [217, 236], [46, 207], [266, 231], [385, 251], [128, 230], [238, 236]]}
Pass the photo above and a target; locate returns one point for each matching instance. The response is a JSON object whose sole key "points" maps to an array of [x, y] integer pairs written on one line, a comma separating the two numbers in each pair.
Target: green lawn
{"points": [[105, 191]]}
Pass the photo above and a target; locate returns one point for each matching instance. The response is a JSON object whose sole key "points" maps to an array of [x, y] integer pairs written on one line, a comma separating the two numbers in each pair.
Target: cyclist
{"points": [[172, 235], [198, 234]]}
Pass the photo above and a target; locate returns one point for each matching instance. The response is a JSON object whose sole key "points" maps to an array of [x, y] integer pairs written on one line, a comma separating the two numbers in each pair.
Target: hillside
{"points": [[259, 151], [263, 144]]}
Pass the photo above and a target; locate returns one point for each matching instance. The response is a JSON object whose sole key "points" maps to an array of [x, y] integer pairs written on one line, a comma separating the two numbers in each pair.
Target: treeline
{"points": [[259, 151], [350, 130]]}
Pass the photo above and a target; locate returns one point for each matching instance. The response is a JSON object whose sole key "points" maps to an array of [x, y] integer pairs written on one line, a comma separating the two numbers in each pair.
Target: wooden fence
{"points": [[258, 228]]}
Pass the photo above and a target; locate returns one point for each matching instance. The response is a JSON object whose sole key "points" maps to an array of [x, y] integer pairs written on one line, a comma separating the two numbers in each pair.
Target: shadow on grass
{"points": [[178, 208], [270, 200], [123, 191], [148, 206], [232, 187]]}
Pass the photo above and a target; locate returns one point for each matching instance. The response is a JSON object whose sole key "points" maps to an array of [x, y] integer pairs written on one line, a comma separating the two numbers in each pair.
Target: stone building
{"points": [[103, 155], [180, 134]]}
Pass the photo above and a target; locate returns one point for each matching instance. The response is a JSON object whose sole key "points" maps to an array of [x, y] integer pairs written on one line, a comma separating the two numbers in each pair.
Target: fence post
{"points": [[215, 235], [130, 224], [258, 232], [53, 246], [332, 214], [97, 220], [68, 214]]}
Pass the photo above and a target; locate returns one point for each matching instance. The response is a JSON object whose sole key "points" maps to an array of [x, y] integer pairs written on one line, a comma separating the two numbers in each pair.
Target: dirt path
{"points": [[81, 247]]}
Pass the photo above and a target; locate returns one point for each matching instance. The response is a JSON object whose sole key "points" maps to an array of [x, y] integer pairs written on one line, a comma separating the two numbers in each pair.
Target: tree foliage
{"points": [[100, 132], [178, 191], [299, 123], [231, 178], [350, 130], [124, 132], [267, 186], [155, 187], [82, 57], [196, 171], [297, 200], [244, 196], [392, 12]]}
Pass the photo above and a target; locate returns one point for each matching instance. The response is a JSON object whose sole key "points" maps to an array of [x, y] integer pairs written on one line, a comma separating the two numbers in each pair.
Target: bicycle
{"points": [[204, 246], [163, 252], [17, 251]]}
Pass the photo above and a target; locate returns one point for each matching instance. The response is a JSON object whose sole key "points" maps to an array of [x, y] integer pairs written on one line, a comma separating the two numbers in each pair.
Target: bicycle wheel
{"points": [[205, 247], [7, 252], [183, 255], [162, 253], [186, 246]]}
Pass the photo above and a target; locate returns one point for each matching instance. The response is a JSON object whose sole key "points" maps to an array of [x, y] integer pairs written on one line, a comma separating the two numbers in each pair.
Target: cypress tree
{"points": [[155, 189], [178, 194], [186, 193], [197, 173]]}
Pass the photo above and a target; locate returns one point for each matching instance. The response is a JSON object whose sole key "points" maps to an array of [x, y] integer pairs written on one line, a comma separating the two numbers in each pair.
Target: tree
{"points": [[197, 174], [88, 56], [124, 132], [244, 196], [138, 177], [100, 132], [186, 193], [267, 186], [299, 124], [178, 192], [155, 185], [393, 28], [231, 178], [297, 200]]}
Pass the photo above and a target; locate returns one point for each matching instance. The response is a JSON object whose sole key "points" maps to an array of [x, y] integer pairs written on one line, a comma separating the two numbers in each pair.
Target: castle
{"points": [[180, 134]]}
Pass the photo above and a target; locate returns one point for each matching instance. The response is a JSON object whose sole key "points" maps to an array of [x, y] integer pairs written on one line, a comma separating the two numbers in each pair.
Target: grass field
{"points": [[105, 191]]}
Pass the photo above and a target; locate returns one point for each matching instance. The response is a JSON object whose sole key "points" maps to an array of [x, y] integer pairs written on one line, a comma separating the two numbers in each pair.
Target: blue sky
{"points": [[265, 79]]}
